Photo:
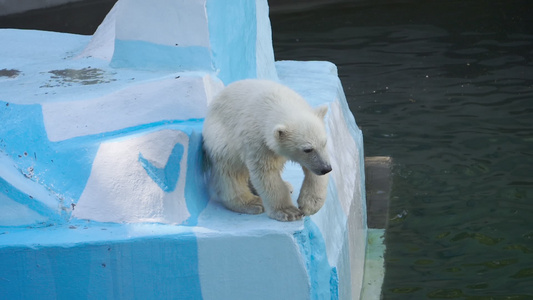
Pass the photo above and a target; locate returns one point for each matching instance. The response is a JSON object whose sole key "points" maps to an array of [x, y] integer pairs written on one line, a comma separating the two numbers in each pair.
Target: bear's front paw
{"points": [[310, 205], [290, 213]]}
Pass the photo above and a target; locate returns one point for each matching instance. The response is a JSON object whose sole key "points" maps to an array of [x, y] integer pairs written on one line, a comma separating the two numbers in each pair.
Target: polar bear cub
{"points": [[251, 129]]}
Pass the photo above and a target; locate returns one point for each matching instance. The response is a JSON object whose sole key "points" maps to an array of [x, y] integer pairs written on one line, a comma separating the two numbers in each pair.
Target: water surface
{"points": [[446, 89]]}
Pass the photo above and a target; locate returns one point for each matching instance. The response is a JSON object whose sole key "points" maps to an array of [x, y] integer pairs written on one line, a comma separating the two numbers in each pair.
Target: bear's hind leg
{"points": [[254, 191], [233, 190]]}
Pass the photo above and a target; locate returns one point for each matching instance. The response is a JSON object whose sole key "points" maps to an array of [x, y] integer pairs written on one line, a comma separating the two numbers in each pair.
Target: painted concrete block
{"points": [[102, 190], [158, 35]]}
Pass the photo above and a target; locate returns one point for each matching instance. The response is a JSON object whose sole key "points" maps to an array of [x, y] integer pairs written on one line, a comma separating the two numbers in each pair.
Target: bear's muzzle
{"points": [[325, 170]]}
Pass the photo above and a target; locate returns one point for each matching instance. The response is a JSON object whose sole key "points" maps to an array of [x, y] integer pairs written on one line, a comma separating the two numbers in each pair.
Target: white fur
{"points": [[252, 128]]}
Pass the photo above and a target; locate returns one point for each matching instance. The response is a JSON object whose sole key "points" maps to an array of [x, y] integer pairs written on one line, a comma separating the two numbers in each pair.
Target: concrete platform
{"points": [[101, 165]]}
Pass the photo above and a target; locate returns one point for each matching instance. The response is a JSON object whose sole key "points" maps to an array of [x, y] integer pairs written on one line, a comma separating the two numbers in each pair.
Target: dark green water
{"points": [[446, 89]]}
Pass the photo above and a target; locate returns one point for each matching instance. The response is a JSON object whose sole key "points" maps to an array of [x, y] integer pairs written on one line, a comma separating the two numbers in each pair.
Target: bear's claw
{"points": [[308, 211], [286, 214]]}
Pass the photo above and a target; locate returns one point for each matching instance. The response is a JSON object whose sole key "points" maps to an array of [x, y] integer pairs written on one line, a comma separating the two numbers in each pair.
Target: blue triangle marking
{"points": [[167, 177]]}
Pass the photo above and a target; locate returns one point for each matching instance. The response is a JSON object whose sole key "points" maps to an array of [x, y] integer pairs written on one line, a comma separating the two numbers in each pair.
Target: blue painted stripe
{"points": [[137, 130], [196, 195], [61, 167], [233, 43], [149, 56], [323, 277], [146, 268], [54, 215]]}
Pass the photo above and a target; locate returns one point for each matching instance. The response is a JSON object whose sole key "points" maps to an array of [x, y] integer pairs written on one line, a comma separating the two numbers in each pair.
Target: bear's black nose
{"points": [[326, 170]]}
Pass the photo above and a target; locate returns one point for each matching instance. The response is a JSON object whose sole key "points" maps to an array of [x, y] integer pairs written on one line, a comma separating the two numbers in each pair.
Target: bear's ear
{"points": [[321, 111], [280, 132]]}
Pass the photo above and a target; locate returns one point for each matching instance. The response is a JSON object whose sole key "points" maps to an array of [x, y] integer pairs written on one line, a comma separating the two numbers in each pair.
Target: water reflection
{"points": [[446, 88]]}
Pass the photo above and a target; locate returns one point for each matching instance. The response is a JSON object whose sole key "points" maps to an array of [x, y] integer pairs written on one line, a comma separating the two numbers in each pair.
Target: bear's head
{"points": [[303, 140]]}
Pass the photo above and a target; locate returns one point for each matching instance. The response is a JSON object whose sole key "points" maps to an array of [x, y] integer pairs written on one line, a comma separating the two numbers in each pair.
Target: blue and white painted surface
{"points": [[102, 192]]}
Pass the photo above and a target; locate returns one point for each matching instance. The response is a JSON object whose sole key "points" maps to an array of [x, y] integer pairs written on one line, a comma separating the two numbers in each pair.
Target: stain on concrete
{"points": [[10, 73], [85, 76]]}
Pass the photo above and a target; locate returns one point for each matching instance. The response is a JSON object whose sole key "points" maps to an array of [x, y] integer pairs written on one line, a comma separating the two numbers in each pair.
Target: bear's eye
{"points": [[308, 150]]}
